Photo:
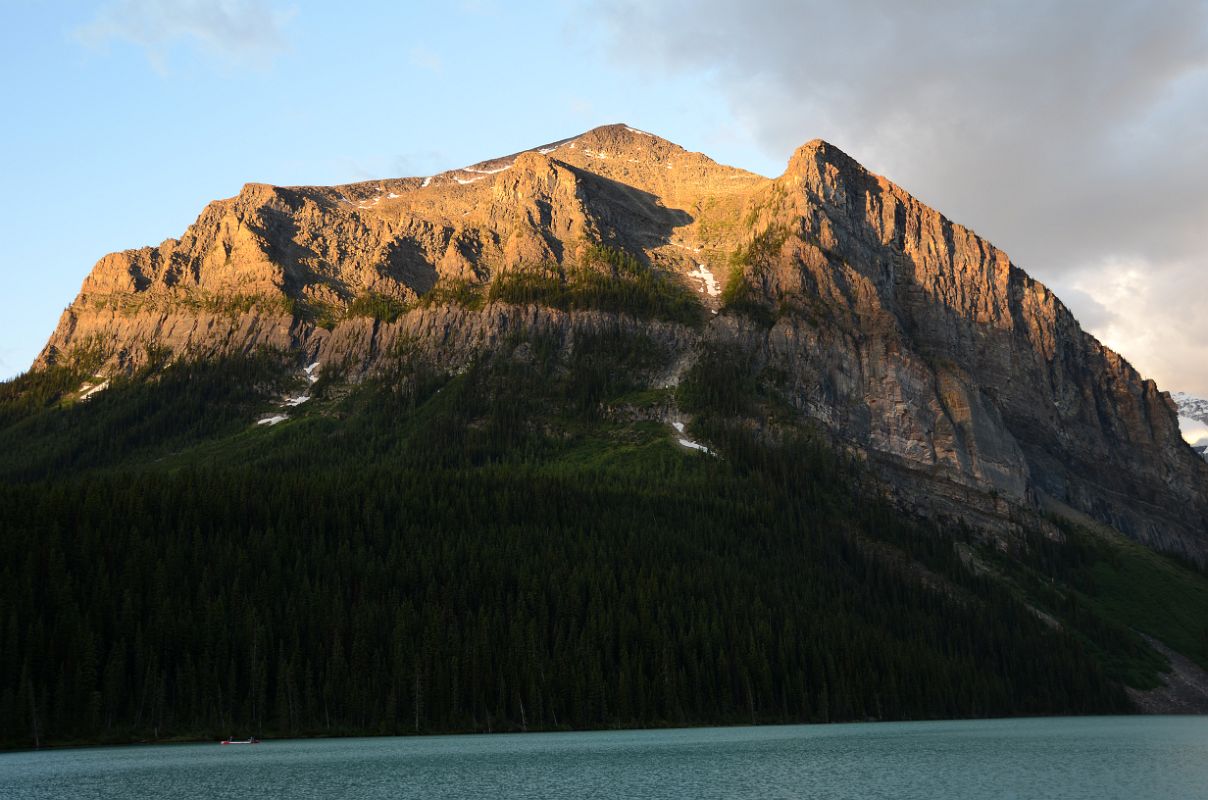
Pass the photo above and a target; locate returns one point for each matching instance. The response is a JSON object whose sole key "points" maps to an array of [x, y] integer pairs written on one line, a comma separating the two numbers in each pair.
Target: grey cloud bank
{"points": [[1072, 134]]}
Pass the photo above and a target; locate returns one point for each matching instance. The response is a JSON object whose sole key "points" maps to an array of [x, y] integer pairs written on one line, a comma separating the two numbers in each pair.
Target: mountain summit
{"points": [[905, 338], [325, 246], [601, 434]]}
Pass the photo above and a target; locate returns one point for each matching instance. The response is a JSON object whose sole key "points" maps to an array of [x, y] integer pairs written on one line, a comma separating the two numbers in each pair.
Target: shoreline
{"points": [[192, 740]]}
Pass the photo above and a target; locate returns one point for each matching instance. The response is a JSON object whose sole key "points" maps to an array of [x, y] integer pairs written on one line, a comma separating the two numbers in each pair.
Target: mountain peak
{"points": [[816, 144], [901, 331], [618, 129], [809, 158], [620, 137], [616, 140]]}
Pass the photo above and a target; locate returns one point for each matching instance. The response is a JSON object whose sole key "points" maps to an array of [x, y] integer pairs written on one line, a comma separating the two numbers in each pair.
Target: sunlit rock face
{"points": [[906, 337]]}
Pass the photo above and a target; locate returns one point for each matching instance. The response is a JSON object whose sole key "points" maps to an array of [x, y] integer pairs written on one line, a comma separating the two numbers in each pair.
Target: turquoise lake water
{"points": [[1103, 757]]}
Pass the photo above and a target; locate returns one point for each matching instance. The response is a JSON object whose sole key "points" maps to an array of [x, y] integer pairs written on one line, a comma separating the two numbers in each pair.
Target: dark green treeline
{"points": [[499, 550]]}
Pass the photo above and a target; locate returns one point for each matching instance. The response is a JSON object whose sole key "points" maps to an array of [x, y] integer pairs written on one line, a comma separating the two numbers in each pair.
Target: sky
{"points": [[1074, 135]]}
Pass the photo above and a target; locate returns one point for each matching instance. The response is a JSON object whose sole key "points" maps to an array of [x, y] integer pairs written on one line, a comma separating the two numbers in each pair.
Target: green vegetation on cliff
{"points": [[519, 545], [604, 279]]}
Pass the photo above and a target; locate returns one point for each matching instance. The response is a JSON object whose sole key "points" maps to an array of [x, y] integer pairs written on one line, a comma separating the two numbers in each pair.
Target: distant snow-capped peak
{"points": [[1193, 420]]}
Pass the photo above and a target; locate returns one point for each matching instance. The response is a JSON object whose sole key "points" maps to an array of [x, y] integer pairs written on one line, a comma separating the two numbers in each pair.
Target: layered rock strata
{"points": [[909, 338]]}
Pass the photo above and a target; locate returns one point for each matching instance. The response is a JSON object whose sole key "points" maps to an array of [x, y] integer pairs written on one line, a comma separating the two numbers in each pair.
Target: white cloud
{"points": [[1068, 133], [244, 31], [1156, 316], [1193, 431]]}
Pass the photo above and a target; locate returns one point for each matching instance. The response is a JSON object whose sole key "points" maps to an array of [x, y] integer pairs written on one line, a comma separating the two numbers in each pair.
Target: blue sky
{"points": [[124, 122], [1073, 134]]}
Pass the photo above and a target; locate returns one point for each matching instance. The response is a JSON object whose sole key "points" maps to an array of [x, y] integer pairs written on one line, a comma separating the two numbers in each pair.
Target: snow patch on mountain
{"points": [[1191, 406], [1193, 421], [88, 389], [1193, 416], [705, 276], [679, 428], [487, 171], [311, 373]]}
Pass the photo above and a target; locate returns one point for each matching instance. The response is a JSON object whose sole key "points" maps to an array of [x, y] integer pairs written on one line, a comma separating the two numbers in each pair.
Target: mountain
{"points": [[1192, 407], [907, 337], [1193, 420], [602, 433]]}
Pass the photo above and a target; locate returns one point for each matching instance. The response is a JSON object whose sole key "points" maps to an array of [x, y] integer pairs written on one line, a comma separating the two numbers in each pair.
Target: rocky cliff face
{"points": [[908, 337]]}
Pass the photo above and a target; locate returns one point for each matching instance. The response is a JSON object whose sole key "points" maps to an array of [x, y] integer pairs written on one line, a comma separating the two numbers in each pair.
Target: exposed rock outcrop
{"points": [[907, 336], [1184, 688]]}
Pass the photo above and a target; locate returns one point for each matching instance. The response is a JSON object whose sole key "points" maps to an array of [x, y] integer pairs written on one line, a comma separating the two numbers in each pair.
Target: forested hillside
{"points": [[518, 545]]}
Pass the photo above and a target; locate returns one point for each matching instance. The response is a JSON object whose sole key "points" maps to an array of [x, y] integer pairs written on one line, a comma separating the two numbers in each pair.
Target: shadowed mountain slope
{"points": [[903, 336]]}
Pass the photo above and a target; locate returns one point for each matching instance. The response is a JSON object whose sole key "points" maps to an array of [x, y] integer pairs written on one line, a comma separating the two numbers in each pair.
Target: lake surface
{"points": [[1099, 757]]}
